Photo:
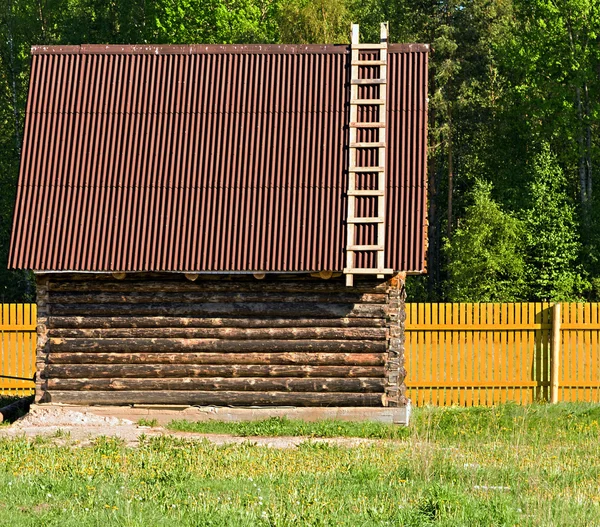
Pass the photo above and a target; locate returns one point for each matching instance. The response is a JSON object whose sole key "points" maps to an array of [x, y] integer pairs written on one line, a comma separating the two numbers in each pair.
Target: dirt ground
{"points": [[65, 425]]}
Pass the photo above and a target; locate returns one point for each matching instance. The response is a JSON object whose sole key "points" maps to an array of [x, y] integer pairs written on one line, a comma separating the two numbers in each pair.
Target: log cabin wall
{"points": [[221, 340]]}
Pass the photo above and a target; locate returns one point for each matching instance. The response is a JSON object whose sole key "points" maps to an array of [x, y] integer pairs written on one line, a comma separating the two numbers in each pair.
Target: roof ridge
{"points": [[193, 49]]}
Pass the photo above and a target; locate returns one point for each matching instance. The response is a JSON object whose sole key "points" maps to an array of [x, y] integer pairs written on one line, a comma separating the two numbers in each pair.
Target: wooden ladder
{"points": [[355, 172]]}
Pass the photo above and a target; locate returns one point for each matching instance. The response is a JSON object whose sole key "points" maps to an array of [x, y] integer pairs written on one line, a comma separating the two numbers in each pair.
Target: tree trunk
{"points": [[582, 151], [588, 128], [433, 233], [450, 176], [13, 78]]}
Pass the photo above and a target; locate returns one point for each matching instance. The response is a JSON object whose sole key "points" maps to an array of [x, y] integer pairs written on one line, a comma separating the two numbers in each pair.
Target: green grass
{"points": [[277, 427], [148, 422], [444, 423], [509, 465]]}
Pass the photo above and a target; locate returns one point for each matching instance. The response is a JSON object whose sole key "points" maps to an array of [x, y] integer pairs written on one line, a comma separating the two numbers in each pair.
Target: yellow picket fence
{"points": [[484, 354], [18, 338], [456, 354]]}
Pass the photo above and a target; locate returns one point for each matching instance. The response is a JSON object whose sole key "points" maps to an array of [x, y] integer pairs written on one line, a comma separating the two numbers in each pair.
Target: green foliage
{"points": [[485, 253], [551, 232], [16, 28], [215, 21], [314, 21], [416, 289], [590, 239]]}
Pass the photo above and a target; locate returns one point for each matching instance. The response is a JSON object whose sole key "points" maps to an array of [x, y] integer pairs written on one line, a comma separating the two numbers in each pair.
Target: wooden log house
{"points": [[223, 225]]}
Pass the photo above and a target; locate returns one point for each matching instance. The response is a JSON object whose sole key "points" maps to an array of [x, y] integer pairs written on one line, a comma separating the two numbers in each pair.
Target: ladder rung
{"points": [[368, 81], [367, 170], [365, 248], [352, 270], [367, 125], [366, 220], [367, 145], [366, 193], [368, 62], [368, 101], [380, 45]]}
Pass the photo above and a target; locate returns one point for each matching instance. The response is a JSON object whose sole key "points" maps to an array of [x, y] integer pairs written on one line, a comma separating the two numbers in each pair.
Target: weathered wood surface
{"points": [[215, 298], [233, 346], [321, 385], [104, 371], [163, 339], [162, 284], [213, 398], [395, 373], [234, 309], [135, 321], [43, 297], [227, 333], [309, 359]]}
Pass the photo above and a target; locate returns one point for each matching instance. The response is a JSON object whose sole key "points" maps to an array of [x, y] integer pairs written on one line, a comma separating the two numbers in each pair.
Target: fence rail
{"points": [[484, 354], [18, 342]]}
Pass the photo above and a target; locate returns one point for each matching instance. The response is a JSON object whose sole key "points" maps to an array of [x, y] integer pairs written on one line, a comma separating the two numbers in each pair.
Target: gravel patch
{"points": [[56, 416], [65, 426]]}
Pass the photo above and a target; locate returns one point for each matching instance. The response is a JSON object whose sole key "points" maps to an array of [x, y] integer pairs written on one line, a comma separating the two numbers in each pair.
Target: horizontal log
{"points": [[226, 333], [299, 309], [206, 322], [213, 398], [106, 371], [314, 359], [216, 297], [251, 384], [233, 346], [181, 285]]}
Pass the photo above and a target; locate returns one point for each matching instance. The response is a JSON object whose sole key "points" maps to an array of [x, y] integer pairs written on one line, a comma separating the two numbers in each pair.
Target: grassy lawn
{"points": [[501, 466]]}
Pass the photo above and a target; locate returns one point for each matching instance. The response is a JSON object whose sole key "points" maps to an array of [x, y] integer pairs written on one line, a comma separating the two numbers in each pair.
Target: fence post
{"points": [[555, 359]]}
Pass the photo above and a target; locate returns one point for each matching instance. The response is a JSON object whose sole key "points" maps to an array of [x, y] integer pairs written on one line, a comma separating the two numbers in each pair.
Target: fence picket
{"points": [[484, 354], [17, 348]]}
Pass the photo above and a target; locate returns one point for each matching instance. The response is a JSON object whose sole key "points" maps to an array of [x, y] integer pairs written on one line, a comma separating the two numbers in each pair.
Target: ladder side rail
{"points": [[382, 201], [351, 199]]}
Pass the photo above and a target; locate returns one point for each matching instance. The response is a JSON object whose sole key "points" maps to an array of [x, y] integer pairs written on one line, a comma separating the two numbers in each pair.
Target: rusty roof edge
{"points": [[144, 49]]}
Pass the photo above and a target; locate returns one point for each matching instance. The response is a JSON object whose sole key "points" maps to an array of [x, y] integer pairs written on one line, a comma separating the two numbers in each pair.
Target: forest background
{"points": [[514, 106]]}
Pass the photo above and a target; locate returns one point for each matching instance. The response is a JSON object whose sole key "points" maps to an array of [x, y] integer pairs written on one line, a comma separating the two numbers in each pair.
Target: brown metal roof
{"points": [[208, 158]]}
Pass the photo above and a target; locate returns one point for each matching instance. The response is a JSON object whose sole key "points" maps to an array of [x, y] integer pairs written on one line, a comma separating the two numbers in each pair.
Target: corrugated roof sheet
{"points": [[208, 158]]}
